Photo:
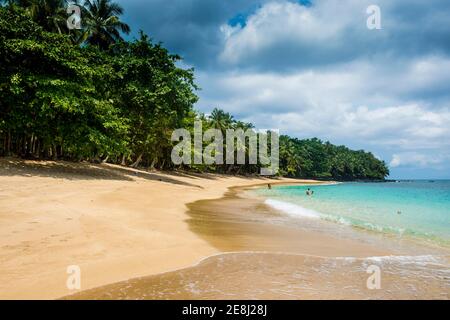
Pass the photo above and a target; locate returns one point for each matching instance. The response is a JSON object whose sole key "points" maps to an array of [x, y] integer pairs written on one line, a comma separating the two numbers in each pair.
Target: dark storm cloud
{"points": [[190, 28], [285, 37], [313, 68]]}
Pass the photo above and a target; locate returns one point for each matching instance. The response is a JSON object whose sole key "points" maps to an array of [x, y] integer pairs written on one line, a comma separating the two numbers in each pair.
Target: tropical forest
{"points": [[94, 94]]}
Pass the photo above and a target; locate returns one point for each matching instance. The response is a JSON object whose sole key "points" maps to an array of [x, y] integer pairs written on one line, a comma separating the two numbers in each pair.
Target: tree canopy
{"points": [[93, 96]]}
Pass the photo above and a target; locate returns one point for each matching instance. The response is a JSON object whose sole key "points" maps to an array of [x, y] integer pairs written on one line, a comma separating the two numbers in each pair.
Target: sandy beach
{"points": [[152, 235], [261, 258], [115, 223], [224, 150]]}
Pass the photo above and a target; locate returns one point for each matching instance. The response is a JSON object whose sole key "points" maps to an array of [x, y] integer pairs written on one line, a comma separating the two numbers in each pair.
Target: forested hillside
{"points": [[90, 95]]}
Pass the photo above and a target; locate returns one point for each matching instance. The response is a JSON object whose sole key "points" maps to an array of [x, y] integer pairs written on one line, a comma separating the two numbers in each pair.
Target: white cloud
{"points": [[396, 128], [284, 22], [416, 159], [355, 101], [318, 71], [321, 29], [228, 30]]}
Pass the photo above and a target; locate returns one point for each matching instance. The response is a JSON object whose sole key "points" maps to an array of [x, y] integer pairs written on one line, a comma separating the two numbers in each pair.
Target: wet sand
{"points": [[284, 276], [114, 222], [267, 257], [240, 223]]}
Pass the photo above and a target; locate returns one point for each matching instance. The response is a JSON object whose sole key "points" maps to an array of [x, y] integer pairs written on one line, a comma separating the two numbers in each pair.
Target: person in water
{"points": [[269, 186], [308, 192]]}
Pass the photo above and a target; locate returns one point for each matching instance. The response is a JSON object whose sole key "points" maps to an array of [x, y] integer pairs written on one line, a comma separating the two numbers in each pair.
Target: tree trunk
{"points": [[54, 152], [138, 161], [5, 144], [25, 146], [29, 147], [37, 148], [8, 144], [32, 144], [152, 166], [45, 151], [18, 146]]}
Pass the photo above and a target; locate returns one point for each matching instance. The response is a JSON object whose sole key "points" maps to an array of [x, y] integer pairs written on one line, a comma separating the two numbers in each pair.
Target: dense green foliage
{"points": [[89, 95], [313, 158]]}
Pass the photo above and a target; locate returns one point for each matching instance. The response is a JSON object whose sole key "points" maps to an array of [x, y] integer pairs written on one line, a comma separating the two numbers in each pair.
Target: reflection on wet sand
{"points": [[274, 258], [284, 276]]}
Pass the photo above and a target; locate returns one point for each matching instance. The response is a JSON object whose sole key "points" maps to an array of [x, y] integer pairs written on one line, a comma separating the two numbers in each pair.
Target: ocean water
{"points": [[420, 209], [258, 263]]}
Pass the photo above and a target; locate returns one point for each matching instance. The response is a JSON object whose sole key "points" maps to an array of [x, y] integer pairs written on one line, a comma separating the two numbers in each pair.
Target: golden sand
{"points": [[266, 259], [115, 223], [268, 276], [141, 235]]}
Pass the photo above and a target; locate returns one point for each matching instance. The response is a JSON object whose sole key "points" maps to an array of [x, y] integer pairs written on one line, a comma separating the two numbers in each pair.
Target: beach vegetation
{"points": [[90, 95]]}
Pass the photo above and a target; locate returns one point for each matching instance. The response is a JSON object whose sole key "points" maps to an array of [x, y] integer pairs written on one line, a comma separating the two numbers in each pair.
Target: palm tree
{"points": [[101, 23], [243, 125], [50, 14], [221, 120]]}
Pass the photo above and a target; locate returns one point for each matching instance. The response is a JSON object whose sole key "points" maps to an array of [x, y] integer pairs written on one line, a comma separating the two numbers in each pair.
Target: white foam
{"points": [[422, 259], [292, 209]]}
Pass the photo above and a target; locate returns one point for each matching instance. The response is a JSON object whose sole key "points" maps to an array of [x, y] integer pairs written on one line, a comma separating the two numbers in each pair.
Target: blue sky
{"points": [[314, 69]]}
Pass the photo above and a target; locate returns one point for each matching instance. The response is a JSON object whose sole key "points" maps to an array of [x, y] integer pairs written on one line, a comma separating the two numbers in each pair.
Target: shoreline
{"points": [[248, 245], [135, 229], [242, 222], [116, 223], [274, 276], [413, 241]]}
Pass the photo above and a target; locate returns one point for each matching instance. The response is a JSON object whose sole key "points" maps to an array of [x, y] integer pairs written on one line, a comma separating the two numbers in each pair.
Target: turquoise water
{"points": [[415, 208]]}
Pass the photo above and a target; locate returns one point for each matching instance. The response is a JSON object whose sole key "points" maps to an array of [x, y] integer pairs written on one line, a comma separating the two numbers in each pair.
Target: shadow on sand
{"points": [[90, 171]]}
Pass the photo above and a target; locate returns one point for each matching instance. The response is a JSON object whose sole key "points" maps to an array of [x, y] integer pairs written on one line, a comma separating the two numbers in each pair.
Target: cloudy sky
{"points": [[314, 69]]}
